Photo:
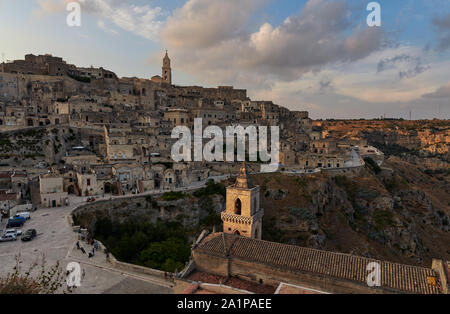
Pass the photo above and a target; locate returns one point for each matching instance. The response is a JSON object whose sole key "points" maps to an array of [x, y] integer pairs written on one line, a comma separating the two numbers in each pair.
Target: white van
{"points": [[14, 232], [25, 215]]}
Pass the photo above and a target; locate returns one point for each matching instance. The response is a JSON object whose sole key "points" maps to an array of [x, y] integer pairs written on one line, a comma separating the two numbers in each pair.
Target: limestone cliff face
{"points": [[385, 216], [435, 142], [28, 147], [423, 143], [189, 211], [396, 137]]}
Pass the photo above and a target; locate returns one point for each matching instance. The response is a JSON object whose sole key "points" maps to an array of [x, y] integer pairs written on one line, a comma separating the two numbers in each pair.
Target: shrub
{"points": [[383, 219], [211, 188], [45, 281], [372, 165], [173, 196]]}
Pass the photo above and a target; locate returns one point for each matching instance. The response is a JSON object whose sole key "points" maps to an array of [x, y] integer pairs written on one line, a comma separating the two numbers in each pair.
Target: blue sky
{"points": [[316, 55]]}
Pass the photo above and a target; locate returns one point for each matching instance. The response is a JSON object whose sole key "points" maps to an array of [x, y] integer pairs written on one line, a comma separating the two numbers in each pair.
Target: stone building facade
{"points": [[243, 215]]}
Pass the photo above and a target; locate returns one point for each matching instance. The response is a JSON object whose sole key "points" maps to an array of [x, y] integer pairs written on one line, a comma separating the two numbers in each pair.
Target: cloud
{"points": [[141, 20], [408, 66], [47, 7], [219, 52], [441, 92], [102, 26], [203, 23], [442, 24], [357, 88]]}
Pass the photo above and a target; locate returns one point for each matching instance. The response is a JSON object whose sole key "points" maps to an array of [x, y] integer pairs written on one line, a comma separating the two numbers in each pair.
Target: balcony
{"points": [[242, 219]]}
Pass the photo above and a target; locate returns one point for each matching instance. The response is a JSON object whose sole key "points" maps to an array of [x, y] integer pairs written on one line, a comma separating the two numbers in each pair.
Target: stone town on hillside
{"points": [[87, 132], [105, 134]]}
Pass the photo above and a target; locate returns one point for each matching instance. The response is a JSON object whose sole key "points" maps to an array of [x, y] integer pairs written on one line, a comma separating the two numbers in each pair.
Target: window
{"points": [[237, 207], [88, 182]]}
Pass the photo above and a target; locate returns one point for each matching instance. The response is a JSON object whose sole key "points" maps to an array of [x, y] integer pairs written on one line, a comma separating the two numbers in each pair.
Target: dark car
{"points": [[16, 222], [29, 235]]}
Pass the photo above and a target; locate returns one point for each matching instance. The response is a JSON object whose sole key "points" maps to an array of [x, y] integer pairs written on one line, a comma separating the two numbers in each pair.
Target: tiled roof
{"points": [[394, 276], [8, 197]]}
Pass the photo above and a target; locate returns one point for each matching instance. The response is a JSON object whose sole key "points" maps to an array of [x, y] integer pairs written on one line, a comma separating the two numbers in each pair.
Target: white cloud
{"points": [[441, 92], [102, 26], [141, 20], [321, 34], [203, 23], [359, 90]]}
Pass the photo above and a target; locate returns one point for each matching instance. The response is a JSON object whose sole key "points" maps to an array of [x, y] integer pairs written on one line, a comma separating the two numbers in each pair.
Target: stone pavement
{"points": [[56, 240]]}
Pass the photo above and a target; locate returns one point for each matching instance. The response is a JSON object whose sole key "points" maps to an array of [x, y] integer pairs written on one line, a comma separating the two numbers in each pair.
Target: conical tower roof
{"points": [[243, 180]]}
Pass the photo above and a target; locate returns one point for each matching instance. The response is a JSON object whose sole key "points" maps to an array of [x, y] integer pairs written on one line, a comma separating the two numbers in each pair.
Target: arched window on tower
{"points": [[237, 207]]}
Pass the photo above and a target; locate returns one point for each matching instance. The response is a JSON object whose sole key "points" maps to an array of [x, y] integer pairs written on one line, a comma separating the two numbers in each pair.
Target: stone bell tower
{"points": [[243, 215], [166, 70]]}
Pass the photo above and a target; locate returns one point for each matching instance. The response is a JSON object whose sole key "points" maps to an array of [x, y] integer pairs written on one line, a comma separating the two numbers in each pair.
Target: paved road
{"points": [[56, 241]]}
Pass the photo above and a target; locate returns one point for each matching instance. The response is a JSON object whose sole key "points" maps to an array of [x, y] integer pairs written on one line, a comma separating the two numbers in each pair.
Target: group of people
{"points": [[169, 276], [95, 247]]}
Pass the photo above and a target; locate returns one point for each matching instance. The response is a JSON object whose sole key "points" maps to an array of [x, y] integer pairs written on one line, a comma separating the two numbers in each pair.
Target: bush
{"points": [[80, 79], [372, 165], [211, 188], [46, 281], [173, 196], [162, 246], [383, 219]]}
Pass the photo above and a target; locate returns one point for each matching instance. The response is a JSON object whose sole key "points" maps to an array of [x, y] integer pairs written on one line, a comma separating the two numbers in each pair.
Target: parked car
{"points": [[14, 232], [25, 215], [29, 235], [90, 199], [8, 238], [16, 222]]}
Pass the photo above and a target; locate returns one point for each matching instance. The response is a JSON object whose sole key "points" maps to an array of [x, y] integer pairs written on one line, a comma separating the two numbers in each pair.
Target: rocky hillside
{"points": [[193, 213], [422, 140], [34, 146], [400, 215]]}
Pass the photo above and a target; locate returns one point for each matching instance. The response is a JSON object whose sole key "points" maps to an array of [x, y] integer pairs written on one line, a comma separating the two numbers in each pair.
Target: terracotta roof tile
{"points": [[393, 276]]}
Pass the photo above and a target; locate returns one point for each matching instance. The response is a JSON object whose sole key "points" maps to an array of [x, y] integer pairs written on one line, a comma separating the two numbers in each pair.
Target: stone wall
{"points": [[268, 275]]}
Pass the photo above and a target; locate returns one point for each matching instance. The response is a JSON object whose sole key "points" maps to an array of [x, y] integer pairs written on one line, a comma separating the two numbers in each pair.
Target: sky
{"points": [[314, 55]]}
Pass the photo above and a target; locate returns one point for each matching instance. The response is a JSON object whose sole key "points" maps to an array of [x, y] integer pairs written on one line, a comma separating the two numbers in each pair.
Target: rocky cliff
{"points": [[193, 213], [395, 215], [421, 139]]}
